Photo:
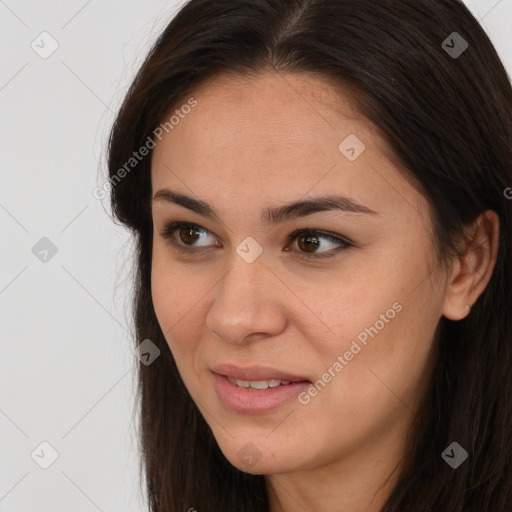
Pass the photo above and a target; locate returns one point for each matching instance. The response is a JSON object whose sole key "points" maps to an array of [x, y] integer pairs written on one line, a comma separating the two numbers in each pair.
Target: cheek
{"points": [[179, 297], [175, 289], [384, 335], [171, 294], [384, 367]]}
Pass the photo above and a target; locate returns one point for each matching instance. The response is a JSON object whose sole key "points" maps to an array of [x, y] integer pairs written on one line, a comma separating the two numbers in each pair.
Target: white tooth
{"points": [[259, 384]]}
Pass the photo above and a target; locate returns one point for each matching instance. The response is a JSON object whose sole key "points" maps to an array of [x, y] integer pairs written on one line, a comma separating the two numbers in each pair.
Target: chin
{"points": [[248, 458], [264, 467]]}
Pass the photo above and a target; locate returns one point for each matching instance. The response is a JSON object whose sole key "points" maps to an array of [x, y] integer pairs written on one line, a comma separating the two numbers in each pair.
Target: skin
{"points": [[266, 141]]}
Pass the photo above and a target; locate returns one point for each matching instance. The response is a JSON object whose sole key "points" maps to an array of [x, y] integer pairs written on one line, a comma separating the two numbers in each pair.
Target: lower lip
{"points": [[245, 401]]}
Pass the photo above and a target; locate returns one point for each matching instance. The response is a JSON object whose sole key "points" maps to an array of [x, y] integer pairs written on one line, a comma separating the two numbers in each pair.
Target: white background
{"points": [[66, 362]]}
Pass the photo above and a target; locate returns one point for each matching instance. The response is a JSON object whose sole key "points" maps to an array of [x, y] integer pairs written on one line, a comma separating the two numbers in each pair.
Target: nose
{"points": [[249, 301]]}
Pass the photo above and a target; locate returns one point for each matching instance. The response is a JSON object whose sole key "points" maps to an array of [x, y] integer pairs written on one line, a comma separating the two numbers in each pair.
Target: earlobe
{"points": [[472, 270]]}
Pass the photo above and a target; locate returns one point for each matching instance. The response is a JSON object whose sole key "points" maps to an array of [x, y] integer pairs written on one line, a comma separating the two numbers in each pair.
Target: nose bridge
{"points": [[242, 289], [245, 302]]}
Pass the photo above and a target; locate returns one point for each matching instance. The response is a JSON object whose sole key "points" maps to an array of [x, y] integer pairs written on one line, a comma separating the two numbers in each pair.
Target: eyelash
{"points": [[172, 227]]}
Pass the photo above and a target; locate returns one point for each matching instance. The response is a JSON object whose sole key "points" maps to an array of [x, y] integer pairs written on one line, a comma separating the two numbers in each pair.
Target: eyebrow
{"points": [[273, 215]]}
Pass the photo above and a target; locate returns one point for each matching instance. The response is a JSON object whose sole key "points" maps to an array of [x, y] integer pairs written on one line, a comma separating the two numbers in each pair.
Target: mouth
{"points": [[257, 377], [257, 391], [259, 385]]}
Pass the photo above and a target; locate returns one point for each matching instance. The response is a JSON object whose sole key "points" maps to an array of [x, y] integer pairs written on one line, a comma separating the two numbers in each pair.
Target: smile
{"points": [[257, 396], [258, 385]]}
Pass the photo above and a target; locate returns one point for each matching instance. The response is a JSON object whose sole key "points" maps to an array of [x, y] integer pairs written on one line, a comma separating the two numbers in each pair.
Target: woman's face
{"points": [[358, 325]]}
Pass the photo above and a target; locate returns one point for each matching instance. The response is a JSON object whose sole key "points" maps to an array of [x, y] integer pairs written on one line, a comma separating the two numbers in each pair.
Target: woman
{"points": [[318, 192]]}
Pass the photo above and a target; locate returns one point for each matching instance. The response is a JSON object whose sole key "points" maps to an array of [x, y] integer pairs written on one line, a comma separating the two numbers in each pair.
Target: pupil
{"points": [[311, 242], [188, 232]]}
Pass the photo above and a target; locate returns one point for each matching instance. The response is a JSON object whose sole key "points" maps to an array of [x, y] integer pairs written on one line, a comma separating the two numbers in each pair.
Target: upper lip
{"points": [[255, 373]]}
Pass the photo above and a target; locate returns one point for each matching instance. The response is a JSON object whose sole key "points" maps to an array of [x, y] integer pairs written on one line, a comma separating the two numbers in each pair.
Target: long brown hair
{"points": [[447, 118]]}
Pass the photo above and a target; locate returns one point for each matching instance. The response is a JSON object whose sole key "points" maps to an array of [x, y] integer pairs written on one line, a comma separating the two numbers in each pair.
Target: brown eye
{"points": [[310, 240], [188, 235], [184, 237], [309, 243]]}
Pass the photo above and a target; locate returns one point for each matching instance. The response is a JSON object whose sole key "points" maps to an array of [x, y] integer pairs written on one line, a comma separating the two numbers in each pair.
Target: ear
{"points": [[472, 268]]}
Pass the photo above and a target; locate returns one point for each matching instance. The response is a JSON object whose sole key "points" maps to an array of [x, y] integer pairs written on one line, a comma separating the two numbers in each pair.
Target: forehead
{"points": [[280, 87], [256, 109], [273, 138]]}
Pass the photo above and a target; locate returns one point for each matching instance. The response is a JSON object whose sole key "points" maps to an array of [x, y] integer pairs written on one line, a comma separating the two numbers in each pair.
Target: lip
{"points": [[253, 373], [245, 401]]}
